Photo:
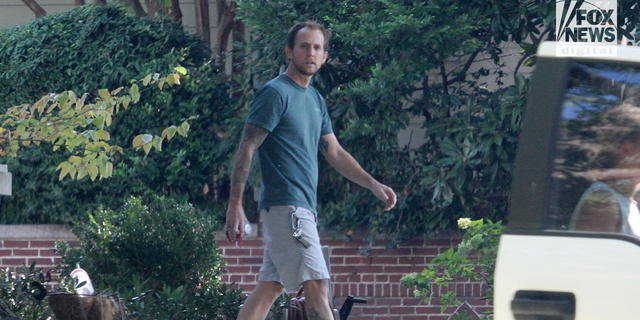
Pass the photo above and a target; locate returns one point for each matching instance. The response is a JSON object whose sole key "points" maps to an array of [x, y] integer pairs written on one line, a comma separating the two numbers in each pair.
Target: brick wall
{"points": [[375, 277]]}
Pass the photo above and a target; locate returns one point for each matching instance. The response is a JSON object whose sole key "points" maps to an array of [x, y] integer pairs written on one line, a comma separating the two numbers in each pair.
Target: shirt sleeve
{"points": [[327, 128], [266, 109]]}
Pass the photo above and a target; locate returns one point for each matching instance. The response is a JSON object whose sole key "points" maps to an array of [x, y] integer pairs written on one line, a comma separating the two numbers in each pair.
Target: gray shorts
{"points": [[286, 260]]}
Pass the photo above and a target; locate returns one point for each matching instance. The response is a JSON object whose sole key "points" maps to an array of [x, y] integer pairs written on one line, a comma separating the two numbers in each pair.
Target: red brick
{"points": [[230, 261], [249, 279], [420, 317], [344, 251], [370, 269], [16, 244], [428, 310], [413, 243], [368, 278], [385, 260], [411, 301], [425, 251], [235, 278], [398, 269], [5, 252], [402, 310], [357, 260], [40, 262], [375, 310], [237, 252], [250, 261], [257, 252], [238, 269], [13, 262], [388, 301], [344, 269], [361, 318], [336, 260], [385, 317], [25, 252], [48, 253], [382, 278], [413, 260], [431, 317], [41, 244]]}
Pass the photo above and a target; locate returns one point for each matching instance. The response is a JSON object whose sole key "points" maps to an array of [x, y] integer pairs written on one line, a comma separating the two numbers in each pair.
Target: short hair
{"points": [[293, 33]]}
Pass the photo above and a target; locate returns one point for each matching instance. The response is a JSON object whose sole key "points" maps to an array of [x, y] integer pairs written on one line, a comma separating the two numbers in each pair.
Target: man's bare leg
{"points": [[257, 305], [317, 299]]}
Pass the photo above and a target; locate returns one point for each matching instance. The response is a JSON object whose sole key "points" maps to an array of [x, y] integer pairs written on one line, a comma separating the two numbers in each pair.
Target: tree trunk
{"points": [[176, 13], [79, 3], [203, 28], [226, 16], [138, 10], [152, 7], [100, 2], [35, 7]]}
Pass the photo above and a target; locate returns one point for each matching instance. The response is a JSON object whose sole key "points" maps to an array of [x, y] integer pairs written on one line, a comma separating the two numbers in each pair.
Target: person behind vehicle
{"points": [[288, 123], [608, 205]]}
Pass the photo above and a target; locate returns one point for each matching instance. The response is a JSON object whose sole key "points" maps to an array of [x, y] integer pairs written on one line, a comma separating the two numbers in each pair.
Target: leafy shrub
{"points": [[160, 256], [17, 293], [474, 259], [94, 47]]}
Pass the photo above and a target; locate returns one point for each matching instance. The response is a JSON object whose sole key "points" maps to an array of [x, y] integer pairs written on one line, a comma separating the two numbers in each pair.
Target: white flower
{"points": [[464, 223]]}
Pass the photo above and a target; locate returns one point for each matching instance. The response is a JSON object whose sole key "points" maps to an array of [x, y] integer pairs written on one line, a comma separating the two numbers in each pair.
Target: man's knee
{"points": [[317, 288]]}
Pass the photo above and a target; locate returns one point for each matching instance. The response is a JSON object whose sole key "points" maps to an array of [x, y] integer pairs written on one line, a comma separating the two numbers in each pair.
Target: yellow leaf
{"points": [[169, 132], [137, 141], [185, 128], [93, 171], [80, 103], [26, 143], [125, 102], [75, 159], [64, 169], [146, 80], [205, 190], [147, 148], [181, 70], [116, 91], [103, 135], [161, 83], [170, 80], [82, 172], [176, 78]]}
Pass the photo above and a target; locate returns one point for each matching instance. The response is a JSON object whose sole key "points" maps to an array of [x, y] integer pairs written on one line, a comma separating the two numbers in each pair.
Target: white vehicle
{"points": [[572, 246]]}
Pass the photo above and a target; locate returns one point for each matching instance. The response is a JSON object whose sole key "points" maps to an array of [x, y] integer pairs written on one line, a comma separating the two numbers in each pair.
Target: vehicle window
{"points": [[596, 169]]}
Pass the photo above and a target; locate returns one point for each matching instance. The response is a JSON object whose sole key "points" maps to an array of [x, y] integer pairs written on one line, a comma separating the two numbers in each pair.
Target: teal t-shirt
{"points": [[296, 118]]}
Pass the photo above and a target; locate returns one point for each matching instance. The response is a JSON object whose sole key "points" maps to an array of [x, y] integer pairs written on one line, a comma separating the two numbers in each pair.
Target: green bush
{"points": [[17, 294], [95, 47], [474, 259], [160, 256]]}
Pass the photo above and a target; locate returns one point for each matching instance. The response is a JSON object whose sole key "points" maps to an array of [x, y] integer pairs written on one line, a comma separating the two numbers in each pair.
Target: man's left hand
{"points": [[385, 194]]}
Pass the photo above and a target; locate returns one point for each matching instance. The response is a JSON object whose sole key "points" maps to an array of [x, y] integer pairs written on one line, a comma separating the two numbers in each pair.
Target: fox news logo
{"points": [[586, 28]]}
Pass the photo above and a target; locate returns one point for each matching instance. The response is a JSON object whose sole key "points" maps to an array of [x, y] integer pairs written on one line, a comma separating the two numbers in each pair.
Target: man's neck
{"points": [[298, 78]]}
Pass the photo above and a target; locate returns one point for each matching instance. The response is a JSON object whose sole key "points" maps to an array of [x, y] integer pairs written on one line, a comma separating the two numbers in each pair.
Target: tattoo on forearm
{"points": [[313, 314], [252, 138], [323, 145]]}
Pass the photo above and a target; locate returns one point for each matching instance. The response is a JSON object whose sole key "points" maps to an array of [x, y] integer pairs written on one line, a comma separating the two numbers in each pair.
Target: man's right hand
{"points": [[234, 225]]}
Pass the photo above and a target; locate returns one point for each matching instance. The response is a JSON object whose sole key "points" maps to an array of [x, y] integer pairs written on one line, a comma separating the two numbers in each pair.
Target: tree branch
{"points": [[203, 27], [36, 8], [462, 74]]}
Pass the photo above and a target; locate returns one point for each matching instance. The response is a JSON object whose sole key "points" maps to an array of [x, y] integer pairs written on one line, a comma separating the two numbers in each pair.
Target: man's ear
{"points": [[325, 56], [288, 51]]}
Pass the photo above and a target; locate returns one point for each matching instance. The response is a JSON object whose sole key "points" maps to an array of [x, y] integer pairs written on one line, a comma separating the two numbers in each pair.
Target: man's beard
{"points": [[302, 71]]}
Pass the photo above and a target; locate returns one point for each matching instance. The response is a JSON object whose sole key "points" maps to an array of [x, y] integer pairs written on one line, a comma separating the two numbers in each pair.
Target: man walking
{"points": [[288, 123]]}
